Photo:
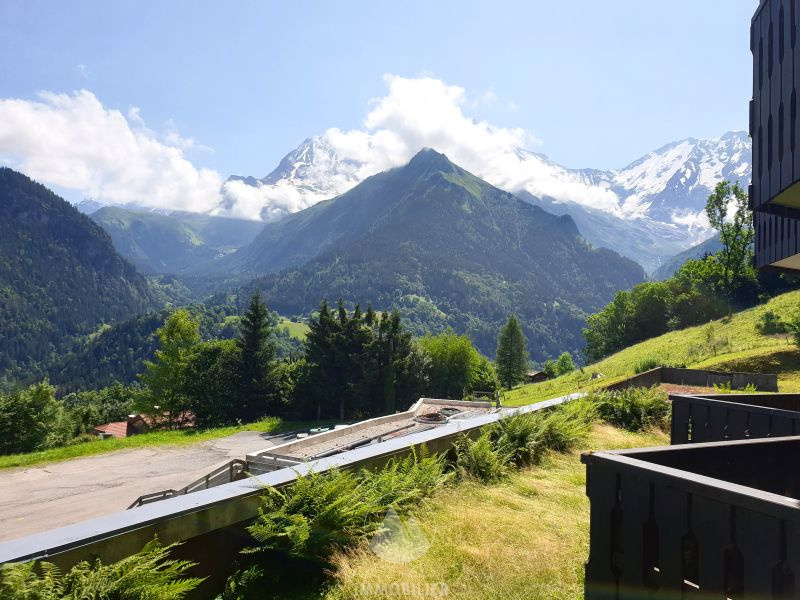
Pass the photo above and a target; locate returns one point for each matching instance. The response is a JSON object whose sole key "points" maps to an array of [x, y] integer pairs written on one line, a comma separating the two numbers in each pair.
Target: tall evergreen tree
{"points": [[320, 345], [512, 353], [257, 353]]}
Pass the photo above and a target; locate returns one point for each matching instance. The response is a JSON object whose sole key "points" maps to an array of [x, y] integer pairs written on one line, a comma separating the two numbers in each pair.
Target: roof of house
{"points": [[118, 429]]}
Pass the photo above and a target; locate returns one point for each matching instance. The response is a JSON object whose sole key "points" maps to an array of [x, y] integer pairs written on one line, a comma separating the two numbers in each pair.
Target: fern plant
{"points": [[146, 575]]}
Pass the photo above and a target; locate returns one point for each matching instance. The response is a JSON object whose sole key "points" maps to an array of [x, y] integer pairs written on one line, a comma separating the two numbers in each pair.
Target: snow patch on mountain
{"points": [[663, 193]]}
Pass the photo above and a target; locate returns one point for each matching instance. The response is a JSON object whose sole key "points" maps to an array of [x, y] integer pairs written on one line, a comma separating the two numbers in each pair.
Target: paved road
{"points": [[35, 499]]}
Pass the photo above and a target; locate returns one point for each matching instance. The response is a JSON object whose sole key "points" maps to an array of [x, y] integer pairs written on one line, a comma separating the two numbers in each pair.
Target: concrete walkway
{"points": [[34, 499]]}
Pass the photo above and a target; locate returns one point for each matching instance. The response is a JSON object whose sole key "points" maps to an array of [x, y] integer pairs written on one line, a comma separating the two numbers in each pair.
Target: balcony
{"points": [[701, 518]]}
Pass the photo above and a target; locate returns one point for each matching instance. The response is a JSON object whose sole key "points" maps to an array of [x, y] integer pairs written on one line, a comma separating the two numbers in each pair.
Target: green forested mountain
{"points": [[158, 243], [60, 276], [118, 352], [446, 249]]}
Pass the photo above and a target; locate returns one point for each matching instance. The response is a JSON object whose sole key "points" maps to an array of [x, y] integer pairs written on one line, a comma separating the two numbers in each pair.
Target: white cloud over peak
{"points": [[73, 141], [417, 113]]}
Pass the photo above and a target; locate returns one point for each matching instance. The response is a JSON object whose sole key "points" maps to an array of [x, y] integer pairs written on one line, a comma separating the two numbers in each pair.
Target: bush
{"points": [[527, 437], [32, 419], [84, 438], [481, 459], [320, 513], [633, 409], [770, 324], [562, 366], [647, 364], [725, 388], [146, 575]]}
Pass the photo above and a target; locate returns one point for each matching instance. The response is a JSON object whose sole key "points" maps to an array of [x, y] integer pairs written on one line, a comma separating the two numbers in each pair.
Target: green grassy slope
{"points": [[296, 330], [728, 344], [526, 537]]}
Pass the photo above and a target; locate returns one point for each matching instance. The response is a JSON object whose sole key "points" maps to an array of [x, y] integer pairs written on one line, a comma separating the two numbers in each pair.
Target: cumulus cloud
{"points": [[73, 141], [417, 113], [426, 112]]}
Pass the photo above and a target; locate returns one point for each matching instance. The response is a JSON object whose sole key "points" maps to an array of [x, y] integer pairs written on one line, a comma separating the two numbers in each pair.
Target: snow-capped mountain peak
{"points": [[662, 194], [311, 172]]}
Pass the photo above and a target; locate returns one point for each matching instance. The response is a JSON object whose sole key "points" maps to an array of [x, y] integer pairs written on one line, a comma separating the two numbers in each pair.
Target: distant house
{"points": [[536, 376], [122, 429]]}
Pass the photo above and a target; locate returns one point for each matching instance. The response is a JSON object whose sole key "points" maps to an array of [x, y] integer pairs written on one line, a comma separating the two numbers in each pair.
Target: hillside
{"points": [[60, 276], [117, 352], [159, 243], [668, 269], [446, 249], [731, 344], [645, 241]]}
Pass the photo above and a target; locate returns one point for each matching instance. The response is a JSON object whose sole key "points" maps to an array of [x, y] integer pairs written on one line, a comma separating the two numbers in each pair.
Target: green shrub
{"points": [[770, 324], [633, 409], [84, 438], [402, 482], [146, 575], [725, 388], [481, 459], [527, 437], [647, 364], [322, 512]]}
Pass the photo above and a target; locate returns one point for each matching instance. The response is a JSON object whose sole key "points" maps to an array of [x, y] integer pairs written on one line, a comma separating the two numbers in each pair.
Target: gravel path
{"points": [[34, 499]]}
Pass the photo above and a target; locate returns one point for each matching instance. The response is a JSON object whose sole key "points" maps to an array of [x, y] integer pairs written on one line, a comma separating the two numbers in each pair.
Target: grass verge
{"points": [[182, 437]]}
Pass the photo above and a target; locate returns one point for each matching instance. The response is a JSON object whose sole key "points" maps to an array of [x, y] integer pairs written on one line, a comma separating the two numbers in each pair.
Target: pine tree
{"points": [[257, 352], [512, 353], [321, 357]]}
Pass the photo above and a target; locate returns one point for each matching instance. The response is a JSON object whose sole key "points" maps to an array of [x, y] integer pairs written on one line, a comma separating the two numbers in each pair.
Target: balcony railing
{"points": [[710, 520], [715, 418]]}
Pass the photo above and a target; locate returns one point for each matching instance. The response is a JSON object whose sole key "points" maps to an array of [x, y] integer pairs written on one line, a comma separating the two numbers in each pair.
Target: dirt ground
{"points": [[35, 499]]}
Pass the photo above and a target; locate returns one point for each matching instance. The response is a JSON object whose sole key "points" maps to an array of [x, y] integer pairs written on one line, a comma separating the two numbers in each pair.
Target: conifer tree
{"points": [[512, 353], [257, 352]]}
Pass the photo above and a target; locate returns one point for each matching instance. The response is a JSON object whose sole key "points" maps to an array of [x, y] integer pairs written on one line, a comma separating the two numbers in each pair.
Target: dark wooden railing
{"points": [[715, 520], [714, 418]]}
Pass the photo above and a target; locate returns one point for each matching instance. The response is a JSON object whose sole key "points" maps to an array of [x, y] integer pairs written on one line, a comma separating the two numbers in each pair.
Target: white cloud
{"points": [[73, 141], [426, 112]]}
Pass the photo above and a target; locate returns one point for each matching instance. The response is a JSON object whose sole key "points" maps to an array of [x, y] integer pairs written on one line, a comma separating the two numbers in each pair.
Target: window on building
{"points": [[793, 24], [760, 149], [760, 63]]}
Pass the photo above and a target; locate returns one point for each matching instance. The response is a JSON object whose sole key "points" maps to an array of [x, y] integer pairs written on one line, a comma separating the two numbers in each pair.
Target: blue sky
{"points": [[236, 85]]}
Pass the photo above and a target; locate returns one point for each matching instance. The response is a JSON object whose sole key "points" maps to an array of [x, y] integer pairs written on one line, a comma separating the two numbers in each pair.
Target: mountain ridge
{"points": [[661, 194], [60, 275], [447, 249]]}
